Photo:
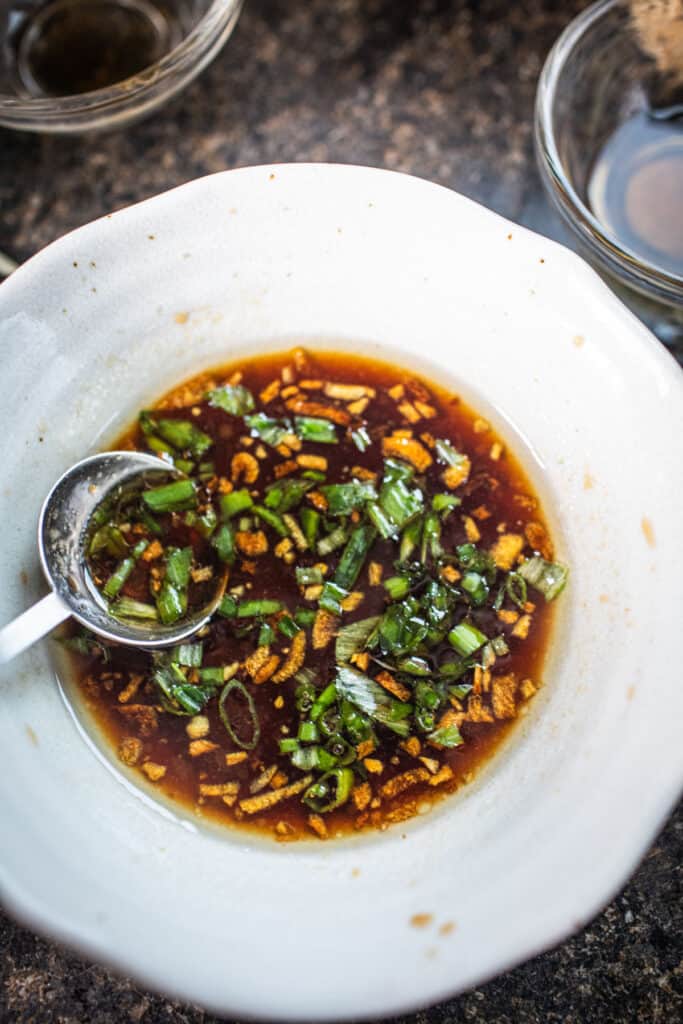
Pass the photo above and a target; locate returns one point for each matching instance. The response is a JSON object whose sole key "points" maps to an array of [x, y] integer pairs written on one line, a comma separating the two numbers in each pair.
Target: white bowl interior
{"points": [[108, 318]]}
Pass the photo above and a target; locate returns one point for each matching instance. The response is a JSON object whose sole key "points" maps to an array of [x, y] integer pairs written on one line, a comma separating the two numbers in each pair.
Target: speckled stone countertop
{"points": [[439, 88]]}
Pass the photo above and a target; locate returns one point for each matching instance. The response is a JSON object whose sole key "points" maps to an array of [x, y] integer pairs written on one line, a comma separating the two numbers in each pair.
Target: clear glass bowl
{"points": [[182, 35], [594, 79]]}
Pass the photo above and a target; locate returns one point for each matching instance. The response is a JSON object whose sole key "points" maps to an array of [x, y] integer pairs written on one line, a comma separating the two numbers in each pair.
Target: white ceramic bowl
{"points": [[394, 266]]}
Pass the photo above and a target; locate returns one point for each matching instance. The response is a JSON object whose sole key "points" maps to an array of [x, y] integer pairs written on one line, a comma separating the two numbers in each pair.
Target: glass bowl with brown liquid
{"points": [[609, 139], [76, 65]]}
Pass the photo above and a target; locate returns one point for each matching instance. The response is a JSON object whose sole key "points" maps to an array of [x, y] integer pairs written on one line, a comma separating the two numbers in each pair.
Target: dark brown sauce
{"points": [[499, 485]]}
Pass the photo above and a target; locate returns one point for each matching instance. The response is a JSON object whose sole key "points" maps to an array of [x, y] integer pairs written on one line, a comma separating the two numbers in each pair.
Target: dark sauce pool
{"points": [[496, 499]]}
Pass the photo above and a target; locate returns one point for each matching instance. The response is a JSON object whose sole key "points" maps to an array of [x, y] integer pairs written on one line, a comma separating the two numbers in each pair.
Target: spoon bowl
{"points": [[63, 529]]}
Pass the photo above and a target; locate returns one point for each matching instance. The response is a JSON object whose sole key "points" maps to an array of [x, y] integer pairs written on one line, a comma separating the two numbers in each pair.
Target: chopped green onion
{"points": [[394, 469], [149, 521], [171, 602], [304, 617], [445, 502], [189, 655], [177, 695], [466, 638], [289, 745], [269, 430], [236, 687], [414, 666], [263, 606], [445, 452], [476, 587], [228, 607], [288, 627], [127, 608], [361, 439], [385, 526], [266, 635], [272, 519], [431, 537], [410, 538], [317, 431], [232, 398], [470, 557], [515, 587], [314, 474], [234, 503], [284, 495], [330, 791], [178, 562], [308, 732], [224, 543], [460, 690], [323, 701], [449, 736], [332, 541], [211, 676], [310, 523], [110, 539], [308, 576], [549, 578], [426, 696], [305, 758], [184, 465], [207, 522], [344, 498], [183, 435], [373, 699], [354, 555], [332, 596], [353, 638], [174, 497], [399, 503], [397, 587], [123, 571]]}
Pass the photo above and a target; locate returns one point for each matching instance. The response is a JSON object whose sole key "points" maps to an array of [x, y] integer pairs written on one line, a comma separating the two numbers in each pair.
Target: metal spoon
{"points": [[62, 535]]}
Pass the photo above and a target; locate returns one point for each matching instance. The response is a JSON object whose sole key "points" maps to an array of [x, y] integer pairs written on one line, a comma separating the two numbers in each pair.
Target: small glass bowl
{"points": [[198, 30], [594, 79]]}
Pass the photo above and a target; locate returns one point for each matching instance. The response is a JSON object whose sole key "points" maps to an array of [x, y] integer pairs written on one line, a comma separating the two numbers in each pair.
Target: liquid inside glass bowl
{"points": [[70, 65], [611, 158]]}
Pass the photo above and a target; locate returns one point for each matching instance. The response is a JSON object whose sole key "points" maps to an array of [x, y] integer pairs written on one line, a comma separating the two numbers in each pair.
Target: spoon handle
{"points": [[31, 625]]}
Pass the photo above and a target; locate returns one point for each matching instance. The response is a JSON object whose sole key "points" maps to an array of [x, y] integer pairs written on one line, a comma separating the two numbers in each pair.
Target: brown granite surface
{"points": [[439, 88]]}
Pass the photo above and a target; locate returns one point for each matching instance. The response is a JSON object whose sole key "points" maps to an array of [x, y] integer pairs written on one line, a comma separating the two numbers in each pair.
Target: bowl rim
{"points": [[133, 97], [636, 337], [606, 247]]}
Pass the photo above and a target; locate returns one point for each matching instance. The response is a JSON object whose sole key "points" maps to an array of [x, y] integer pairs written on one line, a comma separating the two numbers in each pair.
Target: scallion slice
{"points": [[232, 398], [549, 578], [262, 606], [373, 700], [466, 638], [397, 587], [361, 439], [234, 686], [354, 555], [269, 430], [332, 541], [127, 608], [174, 497], [344, 498], [317, 431], [234, 503]]}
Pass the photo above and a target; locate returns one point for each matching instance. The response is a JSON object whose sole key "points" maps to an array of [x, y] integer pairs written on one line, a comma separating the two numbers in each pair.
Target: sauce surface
{"points": [[392, 766]]}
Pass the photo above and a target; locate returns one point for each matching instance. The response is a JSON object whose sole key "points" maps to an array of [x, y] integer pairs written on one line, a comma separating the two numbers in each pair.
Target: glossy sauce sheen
{"points": [[498, 484]]}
